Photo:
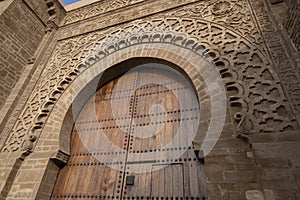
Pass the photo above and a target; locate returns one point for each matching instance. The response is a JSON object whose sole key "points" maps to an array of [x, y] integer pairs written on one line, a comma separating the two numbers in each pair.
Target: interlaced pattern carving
{"points": [[253, 89], [234, 14], [286, 67]]}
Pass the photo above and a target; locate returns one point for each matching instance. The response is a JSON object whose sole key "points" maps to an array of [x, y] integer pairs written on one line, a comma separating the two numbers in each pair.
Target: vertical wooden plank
{"points": [[117, 138], [103, 113], [168, 180], [147, 184], [154, 185], [158, 181], [106, 123], [144, 104], [178, 180], [162, 126]]}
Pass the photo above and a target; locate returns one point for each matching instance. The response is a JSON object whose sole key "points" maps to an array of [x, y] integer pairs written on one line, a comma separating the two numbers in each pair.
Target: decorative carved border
{"points": [[97, 8], [233, 14], [288, 72], [114, 18], [254, 90]]}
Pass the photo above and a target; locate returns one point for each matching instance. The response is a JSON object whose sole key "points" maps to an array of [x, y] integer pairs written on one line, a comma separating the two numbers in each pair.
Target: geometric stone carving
{"points": [[97, 9], [254, 90], [285, 63], [233, 14]]}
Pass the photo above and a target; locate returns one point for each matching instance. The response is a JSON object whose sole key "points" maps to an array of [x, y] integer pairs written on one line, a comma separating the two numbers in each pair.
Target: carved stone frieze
{"points": [[233, 14], [288, 71], [254, 90], [97, 9], [113, 18]]}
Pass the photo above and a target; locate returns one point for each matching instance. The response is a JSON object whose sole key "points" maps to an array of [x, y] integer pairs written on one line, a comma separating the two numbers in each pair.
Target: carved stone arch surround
{"points": [[191, 63], [254, 91]]}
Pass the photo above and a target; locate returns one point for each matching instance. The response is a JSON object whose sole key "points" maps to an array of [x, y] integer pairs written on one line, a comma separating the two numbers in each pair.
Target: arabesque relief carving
{"points": [[28, 145], [233, 14], [286, 67], [96, 9], [254, 91]]}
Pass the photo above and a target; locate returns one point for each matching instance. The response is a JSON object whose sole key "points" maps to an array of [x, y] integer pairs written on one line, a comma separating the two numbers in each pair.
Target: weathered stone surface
{"points": [[254, 195], [21, 32], [292, 23]]}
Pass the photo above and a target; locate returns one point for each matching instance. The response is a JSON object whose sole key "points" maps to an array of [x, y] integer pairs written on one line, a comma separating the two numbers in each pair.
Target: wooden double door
{"points": [[132, 140]]}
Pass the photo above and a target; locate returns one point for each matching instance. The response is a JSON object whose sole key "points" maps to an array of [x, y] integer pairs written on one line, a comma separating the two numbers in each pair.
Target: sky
{"points": [[66, 2]]}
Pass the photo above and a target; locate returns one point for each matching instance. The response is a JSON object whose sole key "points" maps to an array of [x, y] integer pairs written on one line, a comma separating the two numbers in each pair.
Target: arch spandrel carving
{"points": [[260, 101], [233, 14]]}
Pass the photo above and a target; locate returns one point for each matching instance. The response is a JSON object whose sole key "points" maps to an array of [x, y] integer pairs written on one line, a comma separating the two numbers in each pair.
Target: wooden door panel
{"points": [[127, 128], [167, 181], [91, 171], [141, 187]]}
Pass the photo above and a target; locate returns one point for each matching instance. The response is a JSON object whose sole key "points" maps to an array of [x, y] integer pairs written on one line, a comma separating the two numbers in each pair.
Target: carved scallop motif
{"points": [[221, 8]]}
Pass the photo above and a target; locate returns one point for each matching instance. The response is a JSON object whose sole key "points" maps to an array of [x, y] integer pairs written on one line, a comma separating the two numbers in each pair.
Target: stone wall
{"points": [[21, 31], [27, 30]]}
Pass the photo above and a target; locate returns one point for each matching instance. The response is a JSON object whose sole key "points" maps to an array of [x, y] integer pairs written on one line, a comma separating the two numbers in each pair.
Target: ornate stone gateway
{"points": [[133, 140], [135, 137]]}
